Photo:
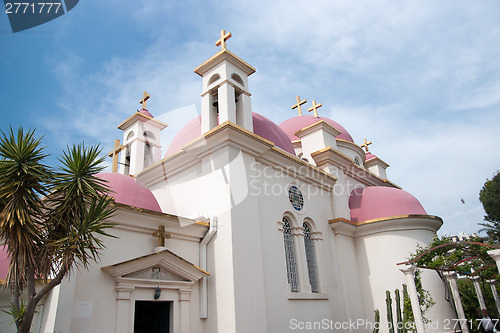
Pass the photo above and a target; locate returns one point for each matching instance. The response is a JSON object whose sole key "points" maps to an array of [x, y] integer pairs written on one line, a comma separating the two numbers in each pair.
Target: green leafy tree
{"points": [[51, 220], [490, 198], [470, 302]]}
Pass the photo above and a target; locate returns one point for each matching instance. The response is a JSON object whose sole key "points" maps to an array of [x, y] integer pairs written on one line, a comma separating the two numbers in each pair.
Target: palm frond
{"points": [[24, 180]]}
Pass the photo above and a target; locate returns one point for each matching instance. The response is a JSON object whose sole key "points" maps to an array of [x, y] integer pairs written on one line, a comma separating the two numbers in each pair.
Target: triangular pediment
{"points": [[155, 273], [159, 266]]}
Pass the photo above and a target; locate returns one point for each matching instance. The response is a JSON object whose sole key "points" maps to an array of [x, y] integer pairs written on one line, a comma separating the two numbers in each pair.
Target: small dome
{"points": [[370, 156], [375, 202], [129, 191], [294, 124], [262, 126], [146, 112]]}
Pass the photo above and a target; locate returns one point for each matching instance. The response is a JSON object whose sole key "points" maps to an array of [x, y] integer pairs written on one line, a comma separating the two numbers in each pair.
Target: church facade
{"points": [[244, 225]]}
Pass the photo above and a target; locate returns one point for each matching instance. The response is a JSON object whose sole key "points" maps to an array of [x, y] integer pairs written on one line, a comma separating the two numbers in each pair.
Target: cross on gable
{"points": [[145, 97], [161, 235], [366, 144], [223, 37], [315, 108], [114, 153], [298, 105]]}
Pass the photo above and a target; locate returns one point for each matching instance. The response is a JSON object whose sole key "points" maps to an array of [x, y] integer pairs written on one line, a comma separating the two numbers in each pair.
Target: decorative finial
{"points": [[114, 153], [223, 37], [298, 105], [145, 97], [365, 145], [161, 235], [315, 108]]}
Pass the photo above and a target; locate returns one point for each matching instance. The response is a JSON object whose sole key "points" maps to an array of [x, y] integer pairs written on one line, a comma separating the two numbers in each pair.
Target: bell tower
{"points": [[225, 95], [141, 139]]}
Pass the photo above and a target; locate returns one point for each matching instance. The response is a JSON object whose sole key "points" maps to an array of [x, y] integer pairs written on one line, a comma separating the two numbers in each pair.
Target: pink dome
{"points": [[369, 156], [146, 112], [4, 262], [129, 191], [375, 202], [262, 126], [294, 124]]}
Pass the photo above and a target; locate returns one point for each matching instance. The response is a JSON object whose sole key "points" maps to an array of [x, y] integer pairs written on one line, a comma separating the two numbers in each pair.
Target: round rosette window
{"points": [[296, 198]]}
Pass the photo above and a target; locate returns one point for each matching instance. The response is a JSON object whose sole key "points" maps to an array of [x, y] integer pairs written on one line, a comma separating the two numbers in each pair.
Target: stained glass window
{"points": [[291, 264], [311, 259], [296, 198]]}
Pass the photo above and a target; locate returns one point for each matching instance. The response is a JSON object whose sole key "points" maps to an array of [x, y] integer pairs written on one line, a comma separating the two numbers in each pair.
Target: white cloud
{"points": [[485, 95]]}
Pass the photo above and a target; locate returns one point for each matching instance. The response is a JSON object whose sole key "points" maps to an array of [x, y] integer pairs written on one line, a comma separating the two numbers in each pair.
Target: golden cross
{"points": [[223, 37], [315, 108], [366, 144], [114, 153], [298, 105], [161, 235], [145, 97]]}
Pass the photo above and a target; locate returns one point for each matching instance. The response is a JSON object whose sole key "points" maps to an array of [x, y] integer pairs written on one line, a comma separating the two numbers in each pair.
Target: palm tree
{"points": [[50, 220]]}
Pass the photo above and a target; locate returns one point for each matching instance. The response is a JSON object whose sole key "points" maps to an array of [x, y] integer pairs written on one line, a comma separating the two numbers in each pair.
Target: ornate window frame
{"points": [[297, 234]]}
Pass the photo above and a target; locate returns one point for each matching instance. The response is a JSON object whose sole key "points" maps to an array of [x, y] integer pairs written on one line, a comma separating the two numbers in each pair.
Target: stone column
{"points": [[495, 293], [409, 272], [451, 277], [479, 293], [123, 308], [136, 156], [244, 112], [184, 299], [495, 254], [227, 105]]}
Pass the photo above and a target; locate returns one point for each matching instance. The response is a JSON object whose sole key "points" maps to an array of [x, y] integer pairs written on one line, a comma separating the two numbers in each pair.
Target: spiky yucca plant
{"points": [[50, 220]]}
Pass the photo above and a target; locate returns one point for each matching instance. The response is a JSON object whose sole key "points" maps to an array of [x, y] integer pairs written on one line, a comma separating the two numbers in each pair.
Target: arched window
{"points": [[311, 259], [237, 78], [291, 264], [126, 169], [148, 155], [149, 135], [148, 149], [130, 135], [214, 78]]}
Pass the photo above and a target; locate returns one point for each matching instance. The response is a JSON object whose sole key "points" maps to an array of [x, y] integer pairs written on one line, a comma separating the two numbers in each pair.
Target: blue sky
{"points": [[421, 79]]}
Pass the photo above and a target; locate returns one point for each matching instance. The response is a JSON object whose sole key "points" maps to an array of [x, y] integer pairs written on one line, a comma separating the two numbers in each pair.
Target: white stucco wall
{"points": [[379, 252]]}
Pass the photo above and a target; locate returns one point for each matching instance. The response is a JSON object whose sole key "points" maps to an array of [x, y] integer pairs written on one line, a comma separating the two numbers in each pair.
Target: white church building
{"points": [[244, 226]]}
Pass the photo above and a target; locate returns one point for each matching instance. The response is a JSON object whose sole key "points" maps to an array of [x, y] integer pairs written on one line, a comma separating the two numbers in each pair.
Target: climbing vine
{"points": [[468, 257], [465, 257]]}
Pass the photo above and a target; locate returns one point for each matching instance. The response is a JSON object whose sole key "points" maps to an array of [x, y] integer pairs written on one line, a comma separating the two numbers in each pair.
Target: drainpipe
{"points": [[203, 265], [39, 319]]}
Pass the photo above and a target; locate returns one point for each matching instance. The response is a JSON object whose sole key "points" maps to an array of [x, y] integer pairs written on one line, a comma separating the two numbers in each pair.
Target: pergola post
{"points": [[409, 272], [451, 277], [479, 293], [495, 294]]}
